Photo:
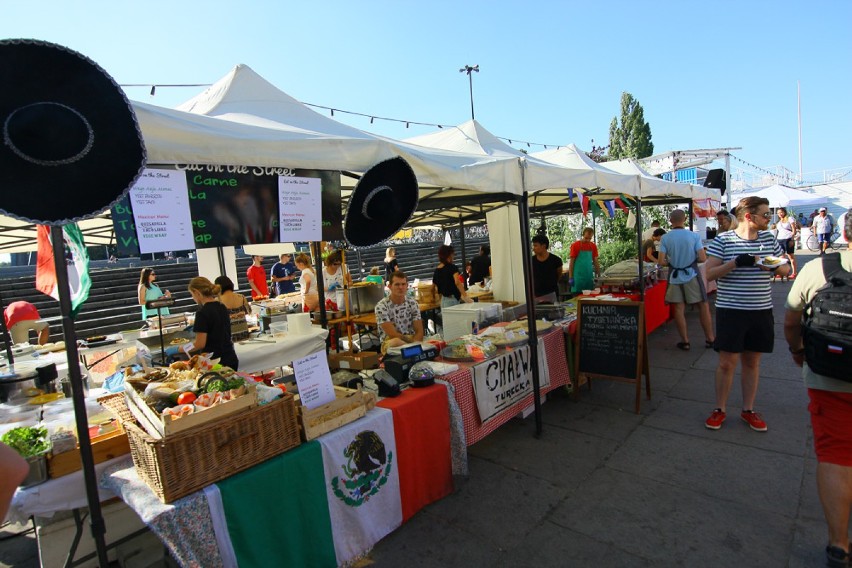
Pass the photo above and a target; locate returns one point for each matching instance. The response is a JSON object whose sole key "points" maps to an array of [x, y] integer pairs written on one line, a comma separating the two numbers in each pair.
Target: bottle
{"points": [[474, 327]]}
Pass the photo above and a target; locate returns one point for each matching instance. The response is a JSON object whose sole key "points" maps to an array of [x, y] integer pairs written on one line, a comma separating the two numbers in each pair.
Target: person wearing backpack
{"points": [[821, 343]]}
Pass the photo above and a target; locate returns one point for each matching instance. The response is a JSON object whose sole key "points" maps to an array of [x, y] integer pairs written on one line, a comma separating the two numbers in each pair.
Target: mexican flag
{"points": [[76, 259]]}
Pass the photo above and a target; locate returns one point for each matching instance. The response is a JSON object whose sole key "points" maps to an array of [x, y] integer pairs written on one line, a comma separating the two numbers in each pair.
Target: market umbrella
{"points": [[71, 148]]}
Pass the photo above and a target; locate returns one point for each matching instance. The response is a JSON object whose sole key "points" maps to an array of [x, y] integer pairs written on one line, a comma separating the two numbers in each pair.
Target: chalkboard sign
{"points": [[126, 241], [611, 342], [232, 206]]}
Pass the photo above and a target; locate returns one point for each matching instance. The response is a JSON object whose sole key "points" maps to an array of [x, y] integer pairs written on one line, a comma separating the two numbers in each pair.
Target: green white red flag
{"points": [[76, 260]]}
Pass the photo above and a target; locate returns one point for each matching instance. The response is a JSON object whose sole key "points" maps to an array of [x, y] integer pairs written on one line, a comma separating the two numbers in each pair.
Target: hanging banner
{"points": [[505, 380], [126, 243]]}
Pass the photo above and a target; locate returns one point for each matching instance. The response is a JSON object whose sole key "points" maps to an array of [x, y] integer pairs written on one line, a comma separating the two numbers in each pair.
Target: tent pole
{"points": [[88, 461], [641, 252], [463, 256], [524, 216], [7, 339]]}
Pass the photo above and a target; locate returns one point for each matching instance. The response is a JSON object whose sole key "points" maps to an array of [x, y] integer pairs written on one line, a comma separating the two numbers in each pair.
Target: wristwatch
{"points": [[799, 351]]}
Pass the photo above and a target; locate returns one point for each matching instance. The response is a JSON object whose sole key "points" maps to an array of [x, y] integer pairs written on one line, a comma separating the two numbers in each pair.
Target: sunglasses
{"points": [[766, 215]]}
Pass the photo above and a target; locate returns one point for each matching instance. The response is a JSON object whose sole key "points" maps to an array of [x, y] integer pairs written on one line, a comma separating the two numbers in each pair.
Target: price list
{"points": [[160, 204], [300, 209]]}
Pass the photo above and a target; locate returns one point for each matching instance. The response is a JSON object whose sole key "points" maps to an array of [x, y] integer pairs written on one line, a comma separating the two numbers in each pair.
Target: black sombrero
{"points": [[381, 203], [70, 145]]}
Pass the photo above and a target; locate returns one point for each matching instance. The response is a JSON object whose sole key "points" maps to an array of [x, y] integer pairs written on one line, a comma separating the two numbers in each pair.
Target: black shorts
{"points": [[744, 330], [788, 246]]}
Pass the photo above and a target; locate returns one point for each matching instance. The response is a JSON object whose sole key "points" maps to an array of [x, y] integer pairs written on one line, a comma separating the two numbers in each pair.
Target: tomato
{"points": [[186, 398]]}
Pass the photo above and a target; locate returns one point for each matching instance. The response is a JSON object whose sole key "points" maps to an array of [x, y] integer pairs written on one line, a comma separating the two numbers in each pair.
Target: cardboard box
{"points": [[106, 447], [349, 360], [160, 426]]}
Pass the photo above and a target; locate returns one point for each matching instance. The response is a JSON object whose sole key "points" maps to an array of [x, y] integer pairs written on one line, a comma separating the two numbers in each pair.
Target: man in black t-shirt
{"points": [[546, 270], [480, 266]]}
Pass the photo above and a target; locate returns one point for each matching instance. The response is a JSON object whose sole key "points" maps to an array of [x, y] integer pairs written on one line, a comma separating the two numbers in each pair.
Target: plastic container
{"points": [[279, 329]]}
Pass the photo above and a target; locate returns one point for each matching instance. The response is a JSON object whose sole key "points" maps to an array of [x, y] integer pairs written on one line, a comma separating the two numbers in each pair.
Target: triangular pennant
{"points": [[595, 207], [610, 207], [621, 204], [584, 203], [570, 194]]}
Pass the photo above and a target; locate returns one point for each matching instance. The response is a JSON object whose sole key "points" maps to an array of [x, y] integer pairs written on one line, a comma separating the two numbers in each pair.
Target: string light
{"points": [[331, 110]]}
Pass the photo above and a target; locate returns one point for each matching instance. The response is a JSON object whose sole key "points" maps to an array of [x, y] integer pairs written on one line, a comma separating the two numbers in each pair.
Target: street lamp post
{"points": [[469, 69]]}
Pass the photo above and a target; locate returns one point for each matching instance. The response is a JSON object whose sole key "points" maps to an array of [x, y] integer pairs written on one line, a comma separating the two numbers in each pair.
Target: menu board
{"points": [[233, 208], [611, 338], [160, 207], [300, 209], [202, 206]]}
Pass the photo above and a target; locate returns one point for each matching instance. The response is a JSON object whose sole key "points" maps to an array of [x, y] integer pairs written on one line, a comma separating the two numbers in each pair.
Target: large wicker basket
{"points": [[188, 461]]}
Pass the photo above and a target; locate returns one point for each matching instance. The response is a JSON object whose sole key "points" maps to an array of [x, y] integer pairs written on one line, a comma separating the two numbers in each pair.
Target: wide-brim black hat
{"points": [[381, 203], [70, 145]]}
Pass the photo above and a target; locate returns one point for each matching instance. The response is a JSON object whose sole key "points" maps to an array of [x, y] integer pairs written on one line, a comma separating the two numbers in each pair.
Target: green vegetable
{"points": [[236, 383], [27, 440], [217, 385]]}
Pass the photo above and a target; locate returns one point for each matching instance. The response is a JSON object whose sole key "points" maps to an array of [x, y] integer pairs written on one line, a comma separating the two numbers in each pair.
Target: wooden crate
{"points": [[425, 294], [349, 406], [106, 447], [160, 426]]}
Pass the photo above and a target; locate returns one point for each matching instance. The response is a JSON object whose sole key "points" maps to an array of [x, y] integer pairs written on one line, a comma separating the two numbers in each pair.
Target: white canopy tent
{"points": [[783, 196], [654, 186]]}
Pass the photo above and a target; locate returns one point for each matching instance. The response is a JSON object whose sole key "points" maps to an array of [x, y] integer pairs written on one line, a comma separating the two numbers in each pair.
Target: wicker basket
{"points": [[188, 461], [116, 404]]}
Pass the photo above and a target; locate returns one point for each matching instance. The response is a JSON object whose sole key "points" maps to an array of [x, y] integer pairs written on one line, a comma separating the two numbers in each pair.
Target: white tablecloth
{"points": [[266, 353], [61, 494]]}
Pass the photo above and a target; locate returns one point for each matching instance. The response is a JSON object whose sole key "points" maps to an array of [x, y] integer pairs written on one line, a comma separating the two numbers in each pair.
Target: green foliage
{"points": [[610, 252], [27, 440], [631, 137]]}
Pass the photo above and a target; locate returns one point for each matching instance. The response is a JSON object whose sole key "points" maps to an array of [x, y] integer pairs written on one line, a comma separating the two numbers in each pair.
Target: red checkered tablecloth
{"points": [[475, 430]]}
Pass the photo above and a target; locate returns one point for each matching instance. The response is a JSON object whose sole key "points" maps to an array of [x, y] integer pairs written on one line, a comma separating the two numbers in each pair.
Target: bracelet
{"points": [[799, 351]]}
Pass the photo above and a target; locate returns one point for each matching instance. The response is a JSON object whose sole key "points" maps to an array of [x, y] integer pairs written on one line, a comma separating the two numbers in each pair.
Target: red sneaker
{"points": [[716, 419], [754, 420]]}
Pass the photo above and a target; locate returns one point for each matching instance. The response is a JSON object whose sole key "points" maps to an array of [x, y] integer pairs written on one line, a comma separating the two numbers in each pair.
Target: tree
{"points": [[631, 138]]}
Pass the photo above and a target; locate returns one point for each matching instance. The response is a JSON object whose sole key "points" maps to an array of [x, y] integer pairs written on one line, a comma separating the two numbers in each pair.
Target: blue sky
{"points": [[720, 74]]}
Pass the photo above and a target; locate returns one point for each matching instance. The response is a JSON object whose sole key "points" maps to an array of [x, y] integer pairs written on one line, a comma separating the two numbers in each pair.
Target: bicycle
{"points": [[834, 241]]}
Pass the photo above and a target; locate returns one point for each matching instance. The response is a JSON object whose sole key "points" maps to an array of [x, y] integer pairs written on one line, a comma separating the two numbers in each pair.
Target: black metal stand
{"points": [[158, 304], [7, 338], [82, 421]]}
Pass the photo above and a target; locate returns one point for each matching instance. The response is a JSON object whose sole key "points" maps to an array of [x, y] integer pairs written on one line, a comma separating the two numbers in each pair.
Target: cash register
{"points": [[399, 360]]}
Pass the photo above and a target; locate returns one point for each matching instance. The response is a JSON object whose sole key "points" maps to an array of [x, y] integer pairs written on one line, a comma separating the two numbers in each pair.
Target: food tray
{"points": [[159, 426], [517, 342], [349, 406], [447, 353], [191, 460]]}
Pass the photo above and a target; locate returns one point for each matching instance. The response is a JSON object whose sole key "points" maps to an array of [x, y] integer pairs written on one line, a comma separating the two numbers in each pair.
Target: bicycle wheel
{"points": [[812, 243]]}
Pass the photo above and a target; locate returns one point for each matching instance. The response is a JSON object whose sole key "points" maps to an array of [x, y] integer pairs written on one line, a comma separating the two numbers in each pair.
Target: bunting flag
{"points": [[610, 208], [76, 260], [621, 204], [584, 203], [595, 207], [570, 195]]}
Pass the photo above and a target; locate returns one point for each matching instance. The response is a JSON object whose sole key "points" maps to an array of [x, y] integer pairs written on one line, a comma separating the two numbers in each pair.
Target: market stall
{"points": [[307, 511]]}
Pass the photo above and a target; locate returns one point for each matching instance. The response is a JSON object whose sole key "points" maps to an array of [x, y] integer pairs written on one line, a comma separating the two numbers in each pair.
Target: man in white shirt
{"points": [[822, 228]]}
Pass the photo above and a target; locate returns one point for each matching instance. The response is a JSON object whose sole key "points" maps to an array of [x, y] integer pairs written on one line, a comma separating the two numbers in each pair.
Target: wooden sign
{"points": [[611, 343]]}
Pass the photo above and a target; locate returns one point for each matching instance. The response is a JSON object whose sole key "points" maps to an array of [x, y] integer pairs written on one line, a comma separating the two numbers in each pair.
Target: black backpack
{"points": [[827, 323]]}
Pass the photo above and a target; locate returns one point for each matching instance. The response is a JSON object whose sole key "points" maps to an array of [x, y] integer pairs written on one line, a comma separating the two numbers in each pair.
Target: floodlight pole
{"points": [[469, 69]]}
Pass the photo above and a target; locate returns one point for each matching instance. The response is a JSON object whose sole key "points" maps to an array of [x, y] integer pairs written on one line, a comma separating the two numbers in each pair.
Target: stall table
{"points": [[291, 510], [421, 423], [462, 381]]}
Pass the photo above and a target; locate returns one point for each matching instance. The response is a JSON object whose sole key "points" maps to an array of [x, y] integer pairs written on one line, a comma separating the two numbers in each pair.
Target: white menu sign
{"points": [[314, 379], [160, 203], [300, 209]]}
